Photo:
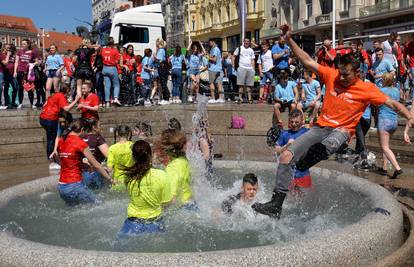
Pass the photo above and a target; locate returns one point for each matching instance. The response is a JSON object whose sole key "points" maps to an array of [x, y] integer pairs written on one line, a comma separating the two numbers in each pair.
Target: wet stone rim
{"points": [[364, 243]]}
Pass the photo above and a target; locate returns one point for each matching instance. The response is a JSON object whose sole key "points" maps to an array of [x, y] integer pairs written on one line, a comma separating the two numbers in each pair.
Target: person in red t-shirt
{"points": [[89, 103], [72, 150], [402, 70], [49, 117], [346, 99], [110, 58], [326, 54]]}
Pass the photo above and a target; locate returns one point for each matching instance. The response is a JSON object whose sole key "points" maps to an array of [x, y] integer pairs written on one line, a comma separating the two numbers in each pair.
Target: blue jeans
{"points": [[100, 88], [177, 80], [76, 193], [135, 226], [146, 89], [51, 128], [387, 125], [110, 74], [93, 180]]}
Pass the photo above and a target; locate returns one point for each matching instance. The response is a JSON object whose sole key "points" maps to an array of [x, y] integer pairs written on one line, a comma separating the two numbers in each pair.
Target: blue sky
{"points": [[50, 14]]}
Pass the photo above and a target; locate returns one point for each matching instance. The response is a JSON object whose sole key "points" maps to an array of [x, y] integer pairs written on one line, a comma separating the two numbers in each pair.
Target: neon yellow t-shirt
{"points": [[119, 156], [179, 173], [148, 196]]}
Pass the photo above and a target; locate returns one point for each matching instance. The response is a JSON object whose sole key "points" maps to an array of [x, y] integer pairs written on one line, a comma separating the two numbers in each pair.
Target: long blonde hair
{"points": [[160, 43], [387, 80]]}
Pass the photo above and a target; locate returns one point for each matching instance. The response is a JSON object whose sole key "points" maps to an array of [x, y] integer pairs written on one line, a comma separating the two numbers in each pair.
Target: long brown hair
{"points": [[171, 143], [142, 154]]}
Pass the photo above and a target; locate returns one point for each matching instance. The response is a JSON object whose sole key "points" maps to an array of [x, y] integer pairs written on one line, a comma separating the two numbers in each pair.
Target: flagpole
{"points": [[333, 23]]}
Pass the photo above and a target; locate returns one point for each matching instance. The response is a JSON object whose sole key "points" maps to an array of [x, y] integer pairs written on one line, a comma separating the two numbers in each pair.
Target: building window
{"points": [[308, 9], [193, 21], [13, 41], [346, 4], [228, 13]]}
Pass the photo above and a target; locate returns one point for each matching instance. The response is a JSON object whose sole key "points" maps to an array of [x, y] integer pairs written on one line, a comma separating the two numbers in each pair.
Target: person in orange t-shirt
{"points": [[89, 103], [345, 101]]}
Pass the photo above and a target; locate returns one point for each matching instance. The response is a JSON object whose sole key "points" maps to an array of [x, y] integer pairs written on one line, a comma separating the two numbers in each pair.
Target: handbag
{"points": [[238, 122]]}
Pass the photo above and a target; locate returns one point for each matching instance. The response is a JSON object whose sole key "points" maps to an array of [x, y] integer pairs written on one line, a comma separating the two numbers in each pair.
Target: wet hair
{"points": [[173, 123], [122, 131], [350, 59], [142, 155], [250, 178], [272, 135], [144, 127], [66, 115], [75, 126], [295, 113], [147, 52], [127, 48], [172, 143], [387, 80]]}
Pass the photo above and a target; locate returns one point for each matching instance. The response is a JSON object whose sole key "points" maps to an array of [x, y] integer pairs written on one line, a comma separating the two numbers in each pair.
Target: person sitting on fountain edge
{"points": [[249, 188], [286, 139], [345, 101]]}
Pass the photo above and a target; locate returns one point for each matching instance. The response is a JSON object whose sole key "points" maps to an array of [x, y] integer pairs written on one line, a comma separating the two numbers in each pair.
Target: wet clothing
{"points": [[91, 100], [133, 226], [148, 195], [179, 173], [227, 205], [71, 154], [53, 106], [119, 156]]}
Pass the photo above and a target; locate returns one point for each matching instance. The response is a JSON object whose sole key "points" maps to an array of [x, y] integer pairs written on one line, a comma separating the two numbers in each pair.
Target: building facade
{"points": [[105, 9], [218, 19], [354, 18], [14, 29], [173, 12]]}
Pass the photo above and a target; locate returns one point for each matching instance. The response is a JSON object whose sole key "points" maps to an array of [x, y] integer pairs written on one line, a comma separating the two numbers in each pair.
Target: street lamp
{"points": [[43, 35]]}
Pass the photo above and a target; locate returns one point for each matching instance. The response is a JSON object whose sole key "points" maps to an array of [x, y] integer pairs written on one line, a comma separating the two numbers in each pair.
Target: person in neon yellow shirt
{"points": [[171, 146], [120, 156], [149, 191]]}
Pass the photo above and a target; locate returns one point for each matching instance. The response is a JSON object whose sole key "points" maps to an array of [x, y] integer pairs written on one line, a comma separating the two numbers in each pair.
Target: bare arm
{"points": [[97, 165], [318, 94], [104, 148], [71, 105], [16, 63], [301, 55]]}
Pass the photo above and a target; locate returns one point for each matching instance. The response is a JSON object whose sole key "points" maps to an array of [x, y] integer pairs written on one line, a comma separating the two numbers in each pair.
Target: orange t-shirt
{"points": [[343, 107]]}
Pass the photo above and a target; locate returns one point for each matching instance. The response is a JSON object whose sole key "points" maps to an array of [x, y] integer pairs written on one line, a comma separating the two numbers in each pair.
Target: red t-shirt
{"points": [[91, 100], [52, 107], [128, 60], [409, 50], [324, 59], [25, 57], [68, 65], [110, 56], [343, 107], [71, 154], [344, 51]]}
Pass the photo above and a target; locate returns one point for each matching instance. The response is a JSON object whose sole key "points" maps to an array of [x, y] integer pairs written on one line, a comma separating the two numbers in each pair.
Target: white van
{"points": [[140, 26]]}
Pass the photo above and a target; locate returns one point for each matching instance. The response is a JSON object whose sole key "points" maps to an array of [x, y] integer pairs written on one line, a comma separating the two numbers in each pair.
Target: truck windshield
{"points": [[131, 34]]}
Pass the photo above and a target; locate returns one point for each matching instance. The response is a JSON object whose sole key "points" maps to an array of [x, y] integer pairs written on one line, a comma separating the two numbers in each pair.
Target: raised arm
{"points": [[301, 55]]}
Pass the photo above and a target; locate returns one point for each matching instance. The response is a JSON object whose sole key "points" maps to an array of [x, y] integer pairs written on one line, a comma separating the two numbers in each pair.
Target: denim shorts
{"points": [[193, 72], [76, 193], [266, 75], [136, 226], [387, 125], [93, 180], [52, 74]]}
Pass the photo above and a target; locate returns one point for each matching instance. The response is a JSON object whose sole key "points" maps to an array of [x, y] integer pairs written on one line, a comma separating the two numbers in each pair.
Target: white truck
{"points": [[140, 26]]}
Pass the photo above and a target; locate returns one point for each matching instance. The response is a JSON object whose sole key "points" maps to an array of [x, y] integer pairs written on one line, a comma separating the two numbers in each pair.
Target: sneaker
{"points": [[396, 174], [164, 102], [54, 166], [212, 101], [220, 101], [116, 102], [190, 99], [34, 107], [107, 105], [3, 107], [20, 106], [147, 103], [178, 101]]}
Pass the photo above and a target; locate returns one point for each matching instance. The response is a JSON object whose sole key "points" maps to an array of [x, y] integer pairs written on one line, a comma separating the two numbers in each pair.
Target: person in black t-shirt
{"points": [[82, 59], [250, 187]]}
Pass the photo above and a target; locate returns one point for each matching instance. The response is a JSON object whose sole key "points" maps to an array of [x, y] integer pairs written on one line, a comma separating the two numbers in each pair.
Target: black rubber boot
{"points": [[273, 208]]}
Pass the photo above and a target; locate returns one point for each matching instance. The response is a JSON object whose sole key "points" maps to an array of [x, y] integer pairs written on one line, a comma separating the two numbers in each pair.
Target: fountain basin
{"points": [[365, 242]]}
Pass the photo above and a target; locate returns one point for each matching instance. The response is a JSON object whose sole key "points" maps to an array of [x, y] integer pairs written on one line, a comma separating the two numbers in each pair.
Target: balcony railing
{"points": [[384, 7], [324, 18]]}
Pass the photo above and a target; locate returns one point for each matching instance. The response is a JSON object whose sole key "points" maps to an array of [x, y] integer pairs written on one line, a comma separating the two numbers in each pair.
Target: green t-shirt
{"points": [[148, 196], [179, 174], [119, 156]]}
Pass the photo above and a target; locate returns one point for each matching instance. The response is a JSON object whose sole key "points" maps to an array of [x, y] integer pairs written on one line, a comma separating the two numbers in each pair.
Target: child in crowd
{"points": [[147, 73], [120, 155], [296, 129], [249, 189], [89, 102], [72, 149], [99, 148], [171, 147], [143, 131], [148, 190], [284, 97]]}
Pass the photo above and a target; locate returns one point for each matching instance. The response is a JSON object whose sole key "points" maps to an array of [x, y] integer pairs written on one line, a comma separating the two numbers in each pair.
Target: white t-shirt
{"points": [[266, 61], [246, 57]]}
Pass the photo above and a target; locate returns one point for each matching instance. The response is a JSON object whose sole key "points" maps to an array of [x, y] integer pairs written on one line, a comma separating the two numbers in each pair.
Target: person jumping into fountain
{"points": [[120, 155], [171, 147], [72, 149], [286, 139], [345, 101], [250, 187], [148, 190]]}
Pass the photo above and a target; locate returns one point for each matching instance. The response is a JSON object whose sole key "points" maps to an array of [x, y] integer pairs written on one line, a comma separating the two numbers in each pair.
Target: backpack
{"points": [[237, 58], [238, 122]]}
